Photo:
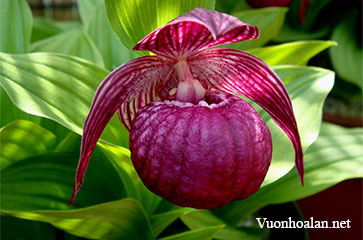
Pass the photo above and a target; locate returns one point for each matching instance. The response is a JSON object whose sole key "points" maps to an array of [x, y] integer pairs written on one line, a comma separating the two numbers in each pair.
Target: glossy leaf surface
{"points": [[124, 15], [347, 56], [297, 53], [123, 219], [94, 17], [58, 87], [73, 42], [268, 20], [15, 26]]}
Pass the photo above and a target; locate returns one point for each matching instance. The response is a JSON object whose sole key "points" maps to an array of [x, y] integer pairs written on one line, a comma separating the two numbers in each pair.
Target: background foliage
{"points": [[49, 72]]}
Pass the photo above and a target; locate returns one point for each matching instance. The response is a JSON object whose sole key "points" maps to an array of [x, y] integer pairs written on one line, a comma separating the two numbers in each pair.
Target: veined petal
{"points": [[238, 72], [195, 31], [135, 83]]}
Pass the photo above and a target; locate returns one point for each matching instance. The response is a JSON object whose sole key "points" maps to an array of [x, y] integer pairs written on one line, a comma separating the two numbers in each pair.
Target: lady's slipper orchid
{"points": [[192, 142]]}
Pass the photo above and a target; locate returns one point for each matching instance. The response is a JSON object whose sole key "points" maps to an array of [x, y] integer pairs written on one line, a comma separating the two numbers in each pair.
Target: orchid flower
{"points": [[192, 141]]}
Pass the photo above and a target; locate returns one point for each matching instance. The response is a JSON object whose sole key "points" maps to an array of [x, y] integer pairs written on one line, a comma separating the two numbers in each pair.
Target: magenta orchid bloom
{"points": [[192, 141]]}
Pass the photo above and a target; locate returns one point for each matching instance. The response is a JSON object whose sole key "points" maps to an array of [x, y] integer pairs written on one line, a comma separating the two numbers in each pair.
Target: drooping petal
{"points": [[195, 31], [137, 83], [238, 72]]}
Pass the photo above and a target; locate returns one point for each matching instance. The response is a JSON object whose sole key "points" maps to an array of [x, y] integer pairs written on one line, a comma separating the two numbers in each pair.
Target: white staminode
{"points": [[189, 89]]}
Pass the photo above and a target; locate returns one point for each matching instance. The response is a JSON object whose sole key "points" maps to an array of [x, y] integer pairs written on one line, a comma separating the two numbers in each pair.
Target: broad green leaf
{"points": [[46, 182], [18, 229], [241, 5], [44, 179], [94, 16], [334, 157], [15, 29], [120, 159], [202, 218], [22, 139], [132, 20], [123, 219], [297, 53], [74, 42], [347, 56], [268, 20], [207, 233], [225, 5], [308, 88], [43, 28], [68, 25], [15, 26], [161, 221], [289, 34], [58, 130], [9, 112], [58, 87], [87, 9], [133, 185]]}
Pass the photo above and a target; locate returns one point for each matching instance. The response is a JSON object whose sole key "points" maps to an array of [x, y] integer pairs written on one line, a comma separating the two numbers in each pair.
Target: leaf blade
{"points": [[147, 15], [15, 26], [268, 20], [297, 53], [54, 85], [123, 219]]}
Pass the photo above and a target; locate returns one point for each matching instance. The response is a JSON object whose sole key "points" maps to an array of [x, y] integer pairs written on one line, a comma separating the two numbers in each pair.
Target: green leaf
{"points": [[123, 219], [22, 139], [120, 159], [226, 6], [9, 112], [73, 42], [308, 88], [132, 20], [161, 221], [200, 234], [202, 218], [133, 184], [289, 34], [41, 179], [15, 26], [268, 20], [46, 182], [68, 25], [58, 87], [15, 29], [58, 130], [297, 53], [19, 229], [43, 28], [334, 157], [94, 16], [87, 9], [347, 56]]}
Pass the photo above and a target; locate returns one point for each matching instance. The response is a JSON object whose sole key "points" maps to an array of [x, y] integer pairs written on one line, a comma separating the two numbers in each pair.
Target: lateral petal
{"points": [[238, 72], [195, 31], [137, 81]]}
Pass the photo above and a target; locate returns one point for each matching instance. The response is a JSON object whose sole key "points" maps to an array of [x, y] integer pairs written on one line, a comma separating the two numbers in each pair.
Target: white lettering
{"points": [[259, 222]]}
